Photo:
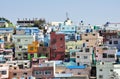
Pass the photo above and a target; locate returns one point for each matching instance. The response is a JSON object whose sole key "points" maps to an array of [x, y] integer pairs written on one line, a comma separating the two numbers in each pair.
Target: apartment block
{"points": [[92, 39], [57, 45], [21, 45], [84, 56]]}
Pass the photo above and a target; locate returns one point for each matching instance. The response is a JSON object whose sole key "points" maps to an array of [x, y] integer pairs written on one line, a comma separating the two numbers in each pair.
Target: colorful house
{"points": [[71, 71], [6, 34], [92, 39], [31, 31], [57, 45], [73, 45], [84, 56], [33, 48], [106, 54], [21, 45], [4, 71], [43, 70]]}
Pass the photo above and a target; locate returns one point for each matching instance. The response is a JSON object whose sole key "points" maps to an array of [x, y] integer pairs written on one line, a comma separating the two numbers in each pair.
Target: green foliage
{"points": [[4, 19], [39, 23], [10, 24]]}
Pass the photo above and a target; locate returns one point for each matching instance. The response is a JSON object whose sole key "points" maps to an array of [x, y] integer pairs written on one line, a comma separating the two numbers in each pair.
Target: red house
{"points": [[57, 45]]}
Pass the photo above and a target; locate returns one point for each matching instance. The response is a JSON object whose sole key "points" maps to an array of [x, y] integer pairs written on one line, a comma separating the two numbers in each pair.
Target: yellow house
{"points": [[33, 48], [73, 45], [92, 39]]}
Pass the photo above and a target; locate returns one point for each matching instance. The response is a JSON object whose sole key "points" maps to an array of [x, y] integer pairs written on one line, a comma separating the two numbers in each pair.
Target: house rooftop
{"points": [[76, 67], [2, 21], [118, 53]]}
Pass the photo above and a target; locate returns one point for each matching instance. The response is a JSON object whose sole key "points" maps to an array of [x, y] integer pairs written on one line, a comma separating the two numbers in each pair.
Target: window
{"points": [[25, 63], [73, 54], [26, 40], [110, 42], [44, 49], [37, 72], [25, 73], [41, 44], [10, 65], [39, 54], [87, 40], [72, 27], [20, 46], [115, 42], [48, 72], [61, 39], [14, 74], [19, 54], [85, 34], [20, 66], [5, 38], [18, 40], [104, 55], [85, 57], [111, 56], [79, 73], [70, 48], [31, 48], [93, 34], [32, 55], [15, 68], [111, 70], [100, 69], [78, 56], [100, 76], [3, 72], [87, 50], [81, 50]]}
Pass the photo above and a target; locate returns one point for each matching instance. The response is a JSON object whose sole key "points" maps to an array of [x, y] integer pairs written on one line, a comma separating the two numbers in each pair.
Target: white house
{"points": [[104, 70], [84, 56]]}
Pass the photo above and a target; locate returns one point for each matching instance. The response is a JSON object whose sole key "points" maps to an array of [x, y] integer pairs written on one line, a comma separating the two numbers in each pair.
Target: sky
{"points": [[94, 12]]}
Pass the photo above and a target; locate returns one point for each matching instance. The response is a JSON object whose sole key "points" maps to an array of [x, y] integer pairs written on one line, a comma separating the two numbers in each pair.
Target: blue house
{"points": [[46, 40], [31, 31], [72, 54], [6, 30], [2, 59], [68, 30]]}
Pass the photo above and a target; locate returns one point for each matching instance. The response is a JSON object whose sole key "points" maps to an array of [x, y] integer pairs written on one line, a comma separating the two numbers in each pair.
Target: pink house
{"points": [[4, 71], [105, 54]]}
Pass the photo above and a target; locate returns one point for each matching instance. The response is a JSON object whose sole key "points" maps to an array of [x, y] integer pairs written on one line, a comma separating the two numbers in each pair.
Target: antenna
{"points": [[67, 16]]}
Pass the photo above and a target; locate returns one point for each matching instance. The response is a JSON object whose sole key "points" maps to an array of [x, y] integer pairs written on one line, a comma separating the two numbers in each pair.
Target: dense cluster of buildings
{"points": [[65, 51]]}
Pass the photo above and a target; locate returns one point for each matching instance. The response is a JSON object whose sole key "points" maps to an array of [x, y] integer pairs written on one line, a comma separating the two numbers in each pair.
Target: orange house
{"points": [[33, 48]]}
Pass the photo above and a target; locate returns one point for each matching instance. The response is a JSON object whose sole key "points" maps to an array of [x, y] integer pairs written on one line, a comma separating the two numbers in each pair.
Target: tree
{"points": [[39, 23], [8, 21], [4, 19]]}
